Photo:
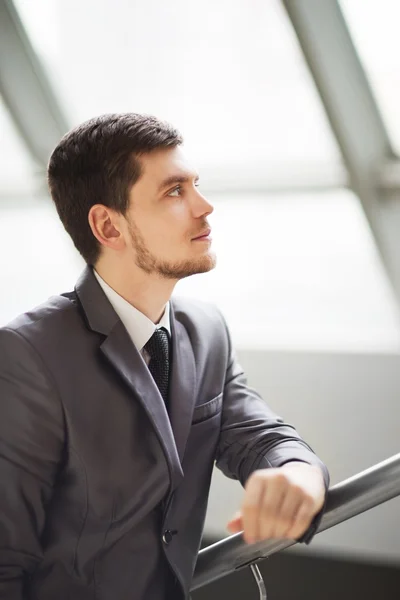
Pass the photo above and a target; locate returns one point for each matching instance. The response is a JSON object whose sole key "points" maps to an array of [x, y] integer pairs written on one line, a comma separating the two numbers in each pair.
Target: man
{"points": [[116, 400]]}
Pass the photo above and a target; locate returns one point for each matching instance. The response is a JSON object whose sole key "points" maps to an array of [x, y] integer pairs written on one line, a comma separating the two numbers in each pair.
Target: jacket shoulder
{"points": [[196, 310], [202, 317], [46, 315]]}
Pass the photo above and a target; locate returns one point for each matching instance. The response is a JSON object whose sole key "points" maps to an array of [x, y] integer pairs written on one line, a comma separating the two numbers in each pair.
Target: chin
{"points": [[204, 264], [210, 262], [189, 267]]}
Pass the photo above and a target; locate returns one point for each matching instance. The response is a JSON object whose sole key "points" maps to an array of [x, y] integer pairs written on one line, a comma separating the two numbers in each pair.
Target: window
{"points": [[374, 26], [299, 272], [228, 74], [18, 170]]}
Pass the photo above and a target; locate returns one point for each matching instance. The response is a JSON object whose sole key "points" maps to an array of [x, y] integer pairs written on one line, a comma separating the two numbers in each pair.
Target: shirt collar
{"points": [[139, 327]]}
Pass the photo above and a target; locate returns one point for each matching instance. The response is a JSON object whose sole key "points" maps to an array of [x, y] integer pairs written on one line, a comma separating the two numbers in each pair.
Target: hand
{"points": [[280, 503]]}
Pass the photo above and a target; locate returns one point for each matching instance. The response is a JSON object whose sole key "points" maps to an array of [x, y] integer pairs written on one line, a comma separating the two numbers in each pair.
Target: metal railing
{"points": [[345, 500]]}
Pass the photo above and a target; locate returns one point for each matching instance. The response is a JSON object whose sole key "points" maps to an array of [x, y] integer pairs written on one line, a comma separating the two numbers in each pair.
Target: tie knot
{"points": [[158, 345]]}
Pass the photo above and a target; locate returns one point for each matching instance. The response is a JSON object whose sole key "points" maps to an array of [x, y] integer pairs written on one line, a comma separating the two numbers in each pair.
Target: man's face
{"points": [[166, 213]]}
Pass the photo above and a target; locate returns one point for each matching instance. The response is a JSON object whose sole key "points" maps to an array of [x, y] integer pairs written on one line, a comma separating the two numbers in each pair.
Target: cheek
{"points": [[164, 237], [177, 212], [166, 229], [174, 224]]}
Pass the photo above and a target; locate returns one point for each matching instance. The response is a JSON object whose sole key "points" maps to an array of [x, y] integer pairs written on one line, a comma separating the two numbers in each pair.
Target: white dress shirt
{"points": [[139, 327]]}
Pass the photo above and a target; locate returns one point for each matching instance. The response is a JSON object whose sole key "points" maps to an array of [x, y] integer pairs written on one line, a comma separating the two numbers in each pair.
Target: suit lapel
{"points": [[127, 361], [122, 354], [182, 387]]}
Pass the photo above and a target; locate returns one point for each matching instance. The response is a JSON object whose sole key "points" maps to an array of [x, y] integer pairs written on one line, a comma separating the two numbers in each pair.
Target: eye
{"points": [[177, 189], [176, 192]]}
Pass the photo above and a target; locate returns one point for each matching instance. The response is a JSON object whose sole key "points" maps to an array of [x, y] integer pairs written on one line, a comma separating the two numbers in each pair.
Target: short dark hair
{"points": [[98, 163]]}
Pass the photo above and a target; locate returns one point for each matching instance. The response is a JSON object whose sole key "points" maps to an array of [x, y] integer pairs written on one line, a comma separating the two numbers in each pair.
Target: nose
{"points": [[201, 206]]}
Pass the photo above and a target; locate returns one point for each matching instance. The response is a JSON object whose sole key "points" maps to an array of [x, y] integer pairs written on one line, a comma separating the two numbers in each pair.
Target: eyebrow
{"points": [[176, 179]]}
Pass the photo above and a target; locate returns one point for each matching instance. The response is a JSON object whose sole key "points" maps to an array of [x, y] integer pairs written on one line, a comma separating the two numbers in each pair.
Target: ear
{"points": [[105, 225]]}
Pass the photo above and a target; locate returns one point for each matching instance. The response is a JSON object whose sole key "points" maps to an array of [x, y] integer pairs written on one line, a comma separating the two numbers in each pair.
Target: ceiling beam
{"points": [[354, 117], [26, 90]]}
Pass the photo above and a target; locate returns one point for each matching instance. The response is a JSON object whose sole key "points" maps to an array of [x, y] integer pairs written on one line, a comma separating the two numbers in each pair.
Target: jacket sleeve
{"points": [[31, 446], [253, 437]]}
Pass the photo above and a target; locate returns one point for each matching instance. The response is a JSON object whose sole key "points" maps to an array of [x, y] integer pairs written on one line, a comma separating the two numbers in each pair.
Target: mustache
{"points": [[204, 226]]}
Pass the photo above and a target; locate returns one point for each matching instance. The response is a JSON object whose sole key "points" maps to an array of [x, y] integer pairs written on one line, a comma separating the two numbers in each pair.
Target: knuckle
{"points": [[308, 498], [308, 503], [303, 519], [297, 489], [267, 507], [282, 478], [288, 518]]}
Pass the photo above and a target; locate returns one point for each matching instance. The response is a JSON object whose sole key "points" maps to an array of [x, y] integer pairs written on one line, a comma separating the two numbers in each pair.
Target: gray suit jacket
{"points": [[102, 495]]}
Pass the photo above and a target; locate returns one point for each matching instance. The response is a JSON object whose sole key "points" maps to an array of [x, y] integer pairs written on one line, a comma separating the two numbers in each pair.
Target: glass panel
{"points": [[374, 26], [40, 265], [294, 272], [299, 272], [17, 173], [229, 74]]}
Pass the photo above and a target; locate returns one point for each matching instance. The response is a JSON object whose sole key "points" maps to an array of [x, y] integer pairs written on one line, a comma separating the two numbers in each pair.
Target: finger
{"points": [[250, 509], [235, 527], [302, 519], [269, 516], [288, 513]]}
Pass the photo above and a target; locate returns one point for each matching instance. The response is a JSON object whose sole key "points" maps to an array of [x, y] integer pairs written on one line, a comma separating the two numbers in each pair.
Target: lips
{"points": [[205, 233]]}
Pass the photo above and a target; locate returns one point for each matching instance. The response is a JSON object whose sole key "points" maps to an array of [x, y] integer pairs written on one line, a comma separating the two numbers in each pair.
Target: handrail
{"points": [[347, 499]]}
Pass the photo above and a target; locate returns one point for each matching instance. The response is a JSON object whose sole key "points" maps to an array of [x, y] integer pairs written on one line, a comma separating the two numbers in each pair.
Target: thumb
{"points": [[235, 525]]}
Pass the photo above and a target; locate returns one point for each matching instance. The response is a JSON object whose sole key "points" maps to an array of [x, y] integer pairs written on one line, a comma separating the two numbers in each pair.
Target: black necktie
{"points": [[158, 349]]}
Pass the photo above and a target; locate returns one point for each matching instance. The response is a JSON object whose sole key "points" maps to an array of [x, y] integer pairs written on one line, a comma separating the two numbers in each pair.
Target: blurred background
{"points": [[290, 112]]}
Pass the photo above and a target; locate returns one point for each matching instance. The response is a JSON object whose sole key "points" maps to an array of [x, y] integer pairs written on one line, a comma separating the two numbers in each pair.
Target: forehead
{"points": [[160, 164]]}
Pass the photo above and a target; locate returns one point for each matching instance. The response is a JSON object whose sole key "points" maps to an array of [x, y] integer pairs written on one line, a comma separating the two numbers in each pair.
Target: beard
{"points": [[150, 264]]}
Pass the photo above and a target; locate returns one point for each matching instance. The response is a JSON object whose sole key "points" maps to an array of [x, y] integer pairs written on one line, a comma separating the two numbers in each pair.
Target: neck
{"points": [[148, 293]]}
